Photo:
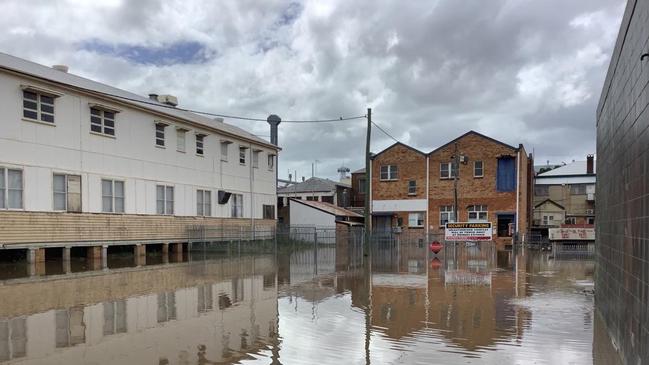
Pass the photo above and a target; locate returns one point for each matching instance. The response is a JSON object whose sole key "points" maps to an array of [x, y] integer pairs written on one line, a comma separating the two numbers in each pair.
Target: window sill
{"points": [[255, 167], [103, 135], [412, 194], [416, 227], [478, 177], [158, 146], [242, 164], [199, 155], [224, 160], [388, 180], [181, 151], [38, 122]]}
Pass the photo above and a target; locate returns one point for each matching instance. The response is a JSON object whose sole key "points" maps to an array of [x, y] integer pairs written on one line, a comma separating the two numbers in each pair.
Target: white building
{"points": [[70, 144]]}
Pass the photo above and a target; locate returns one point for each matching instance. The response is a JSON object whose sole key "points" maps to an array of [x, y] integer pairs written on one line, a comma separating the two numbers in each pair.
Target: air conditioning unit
{"points": [[396, 230], [590, 211], [168, 99]]}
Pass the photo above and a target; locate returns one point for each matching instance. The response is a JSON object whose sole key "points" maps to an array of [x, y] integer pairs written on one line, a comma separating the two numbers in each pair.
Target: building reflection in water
{"points": [[167, 314]]}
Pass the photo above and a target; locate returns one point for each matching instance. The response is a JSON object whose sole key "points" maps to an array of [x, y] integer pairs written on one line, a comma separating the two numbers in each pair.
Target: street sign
{"points": [[468, 231]]}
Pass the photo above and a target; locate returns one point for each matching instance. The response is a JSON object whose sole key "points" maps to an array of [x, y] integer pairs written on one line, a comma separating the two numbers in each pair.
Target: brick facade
{"points": [[412, 165]]}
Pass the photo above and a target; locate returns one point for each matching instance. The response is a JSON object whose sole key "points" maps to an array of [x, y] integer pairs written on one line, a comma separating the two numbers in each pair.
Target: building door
{"points": [[382, 223], [505, 221]]}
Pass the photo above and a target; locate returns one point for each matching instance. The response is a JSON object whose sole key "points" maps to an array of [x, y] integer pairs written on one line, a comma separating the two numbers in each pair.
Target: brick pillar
{"points": [[94, 257], [165, 253], [177, 252], [36, 260], [140, 254]]}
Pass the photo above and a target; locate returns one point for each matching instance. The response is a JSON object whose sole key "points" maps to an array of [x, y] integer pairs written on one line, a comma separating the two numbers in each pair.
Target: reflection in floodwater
{"points": [[305, 305]]}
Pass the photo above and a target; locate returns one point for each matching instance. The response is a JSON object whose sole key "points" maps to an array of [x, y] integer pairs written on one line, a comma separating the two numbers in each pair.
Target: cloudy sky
{"points": [[522, 71]]}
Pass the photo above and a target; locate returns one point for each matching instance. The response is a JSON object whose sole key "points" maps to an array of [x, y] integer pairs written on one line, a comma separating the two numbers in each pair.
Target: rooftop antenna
{"points": [[342, 170]]}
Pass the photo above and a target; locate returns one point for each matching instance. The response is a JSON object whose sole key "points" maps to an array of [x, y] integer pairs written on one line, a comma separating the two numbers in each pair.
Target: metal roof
{"points": [[22, 66], [328, 208], [573, 168], [312, 185]]}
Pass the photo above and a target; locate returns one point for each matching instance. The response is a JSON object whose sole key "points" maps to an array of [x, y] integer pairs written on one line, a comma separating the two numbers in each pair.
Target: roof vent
{"points": [[153, 97], [168, 99], [219, 119], [62, 68]]}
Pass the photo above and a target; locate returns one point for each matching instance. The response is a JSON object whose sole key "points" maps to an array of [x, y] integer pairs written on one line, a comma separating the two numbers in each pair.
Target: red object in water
{"points": [[435, 247], [435, 263]]}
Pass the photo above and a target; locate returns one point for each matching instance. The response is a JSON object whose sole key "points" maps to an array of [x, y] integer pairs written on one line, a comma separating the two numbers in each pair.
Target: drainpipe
{"points": [[518, 181]]}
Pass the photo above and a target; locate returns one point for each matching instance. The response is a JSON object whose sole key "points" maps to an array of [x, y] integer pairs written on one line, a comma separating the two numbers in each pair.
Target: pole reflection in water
{"points": [[312, 303]]}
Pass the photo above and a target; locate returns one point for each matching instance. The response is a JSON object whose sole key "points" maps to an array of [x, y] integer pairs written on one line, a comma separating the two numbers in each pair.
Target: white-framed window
{"points": [[447, 170], [11, 188], [271, 162], [164, 200], [571, 220], [160, 134], [389, 172], [361, 185], [112, 196], [548, 220], [446, 214], [416, 219], [412, 187], [181, 134], [200, 138], [478, 170], [237, 205], [242, 155], [268, 211], [102, 121], [255, 159], [224, 150], [38, 106], [66, 191], [478, 213], [203, 203]]}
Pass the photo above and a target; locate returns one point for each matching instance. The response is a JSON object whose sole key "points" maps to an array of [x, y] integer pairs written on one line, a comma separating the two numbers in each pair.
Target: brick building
{"points": [[413, 190]]}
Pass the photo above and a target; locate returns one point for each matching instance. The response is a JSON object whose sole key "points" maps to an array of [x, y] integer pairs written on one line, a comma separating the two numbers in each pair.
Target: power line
{"points": [[383, 130], [340, 119]]}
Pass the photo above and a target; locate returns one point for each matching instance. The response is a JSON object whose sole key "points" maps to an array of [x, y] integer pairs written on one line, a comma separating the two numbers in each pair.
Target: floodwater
{"points": [[300, 305]]}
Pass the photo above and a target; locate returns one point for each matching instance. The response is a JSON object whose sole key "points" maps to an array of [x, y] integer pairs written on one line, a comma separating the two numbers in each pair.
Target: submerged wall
{"points": [[622, 275]]}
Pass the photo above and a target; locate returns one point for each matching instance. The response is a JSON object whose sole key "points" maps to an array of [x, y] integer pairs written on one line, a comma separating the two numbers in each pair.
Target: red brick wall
{"points": [[412, 166]]}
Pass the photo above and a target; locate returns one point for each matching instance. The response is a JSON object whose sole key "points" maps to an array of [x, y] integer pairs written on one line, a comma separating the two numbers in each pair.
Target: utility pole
{"points": [[368, 179], [456, 166]]}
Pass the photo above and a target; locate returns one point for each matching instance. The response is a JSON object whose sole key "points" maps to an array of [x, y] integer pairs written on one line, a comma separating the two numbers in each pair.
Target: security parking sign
{"points": [[468, 232]]}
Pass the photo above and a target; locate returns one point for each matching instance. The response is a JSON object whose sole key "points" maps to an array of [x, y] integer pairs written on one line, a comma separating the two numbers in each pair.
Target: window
{"points": [[255, 159], [542, 190], [70, 328], [590, 220], [205, 301], [203, 203], [477, 169], [180, 139], [237, 205], [578, 189], [446, 214], [67, 192], [506, 174], [160, 134], [361, 186], [242, 155], [102, 121], [271, 162], [114, 317], [224, 150], [166, 306], [13, 338], [416, 219], [412, 187], [11, 188], [548, 220], [447, 170], [327, 199], [571, 220], [389, 172], [112, 196], [37, 106], [477, 213], [268, 211], [164, 199], [312, 198], [199, 144]]}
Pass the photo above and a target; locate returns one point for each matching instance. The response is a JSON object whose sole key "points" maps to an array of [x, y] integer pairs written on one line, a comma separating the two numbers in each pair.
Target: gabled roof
{"points": [[328, 208], [398, 144], [575, 168], [551, 202], [312, 185], [477, 134], [81, 84], [359, 171]]}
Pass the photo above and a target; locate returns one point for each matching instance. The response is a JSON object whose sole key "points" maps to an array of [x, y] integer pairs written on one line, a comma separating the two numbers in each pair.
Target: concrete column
{"points": [[140, 254], [36, 260], [66, 260], [165, 253], [177, 252]]}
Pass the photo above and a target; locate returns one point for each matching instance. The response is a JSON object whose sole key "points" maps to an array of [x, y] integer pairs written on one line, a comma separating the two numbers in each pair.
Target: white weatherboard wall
{"points": [[406, 205], [41, 150], [304, 215]]}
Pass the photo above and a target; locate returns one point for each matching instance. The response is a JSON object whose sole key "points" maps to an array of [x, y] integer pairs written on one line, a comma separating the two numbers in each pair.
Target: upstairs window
{"points": [[416, 219], [389, 172], [255, 159], [361, 186], [180, 139], [160, 134], [102, 121], [271, 162], [447, 170], [478, 169], [578, 189], [199, 144], [224, 150], [478, 213], [506, 176], [446, 214], [164, 200], [412, 187], [242, 155], [11, 188], [38, 106], [542, 190]]}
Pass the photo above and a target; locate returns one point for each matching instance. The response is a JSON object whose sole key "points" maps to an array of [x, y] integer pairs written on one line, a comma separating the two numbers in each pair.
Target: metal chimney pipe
{"points": [[274, 121]]}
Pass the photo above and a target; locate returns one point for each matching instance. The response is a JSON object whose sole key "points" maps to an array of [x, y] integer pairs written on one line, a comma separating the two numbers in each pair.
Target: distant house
{"points": [[313, 189], [358, 189], [328, 219]]}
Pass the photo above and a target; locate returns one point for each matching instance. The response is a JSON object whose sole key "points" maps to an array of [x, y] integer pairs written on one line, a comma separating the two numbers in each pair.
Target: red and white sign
{"points": [[571, 234], [468, 231]]}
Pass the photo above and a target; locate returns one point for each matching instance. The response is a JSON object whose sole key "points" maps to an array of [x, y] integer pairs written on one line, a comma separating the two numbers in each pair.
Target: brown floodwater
{"points": [[300, 305]]}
